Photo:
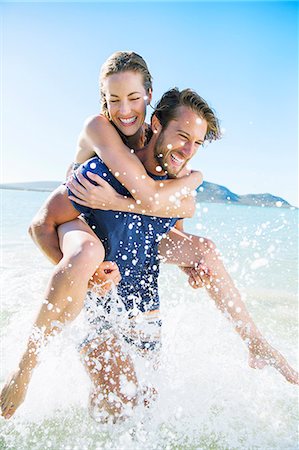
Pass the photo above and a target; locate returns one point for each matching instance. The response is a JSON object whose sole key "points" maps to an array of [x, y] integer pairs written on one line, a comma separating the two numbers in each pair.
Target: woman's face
{"points": [[126, 101]]}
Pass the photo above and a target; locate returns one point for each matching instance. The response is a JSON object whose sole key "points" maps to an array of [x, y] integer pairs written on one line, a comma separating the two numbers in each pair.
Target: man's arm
{"points": [[43, 229]]}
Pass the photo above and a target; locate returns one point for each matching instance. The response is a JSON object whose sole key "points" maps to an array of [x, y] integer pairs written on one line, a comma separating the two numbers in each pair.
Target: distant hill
{"points": [[207, 192], [215, 193]]}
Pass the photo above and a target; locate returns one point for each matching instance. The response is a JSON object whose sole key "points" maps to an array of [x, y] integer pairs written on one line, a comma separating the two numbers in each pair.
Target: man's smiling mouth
{"points": [[176, 159]]}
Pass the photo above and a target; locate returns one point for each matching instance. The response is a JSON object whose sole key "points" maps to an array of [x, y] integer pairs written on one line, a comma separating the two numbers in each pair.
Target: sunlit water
{"points": [[209, 398]]}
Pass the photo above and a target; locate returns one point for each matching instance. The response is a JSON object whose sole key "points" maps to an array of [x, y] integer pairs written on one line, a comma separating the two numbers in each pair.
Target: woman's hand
{"points": [[187, 172], [103, 196]]}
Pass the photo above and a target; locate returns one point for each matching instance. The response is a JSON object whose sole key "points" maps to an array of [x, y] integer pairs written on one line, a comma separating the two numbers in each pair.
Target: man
{"points": [[132, 241]]}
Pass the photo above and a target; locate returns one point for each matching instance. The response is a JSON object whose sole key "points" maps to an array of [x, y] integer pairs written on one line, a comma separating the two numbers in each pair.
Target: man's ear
{"points": [[156, 126]]}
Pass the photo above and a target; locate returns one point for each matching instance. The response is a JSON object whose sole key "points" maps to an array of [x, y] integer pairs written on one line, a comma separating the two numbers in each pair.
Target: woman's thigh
{"points": [[188, 251], [76, 237]]}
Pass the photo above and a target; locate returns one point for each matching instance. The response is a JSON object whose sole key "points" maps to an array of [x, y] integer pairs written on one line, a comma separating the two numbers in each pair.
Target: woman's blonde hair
{"points": [[123, 62]]}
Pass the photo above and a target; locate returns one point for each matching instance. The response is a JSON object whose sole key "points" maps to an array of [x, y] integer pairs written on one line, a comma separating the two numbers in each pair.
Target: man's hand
{"points": [[261, 354], [105, 277], [198, 276], [102, 196]]}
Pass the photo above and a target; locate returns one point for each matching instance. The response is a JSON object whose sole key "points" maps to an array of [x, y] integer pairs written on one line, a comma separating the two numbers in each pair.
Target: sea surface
{"points": [[209, 398]]}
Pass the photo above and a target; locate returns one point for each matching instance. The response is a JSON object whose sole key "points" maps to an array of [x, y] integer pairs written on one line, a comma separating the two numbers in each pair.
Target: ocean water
{"points": [[209, 398]]}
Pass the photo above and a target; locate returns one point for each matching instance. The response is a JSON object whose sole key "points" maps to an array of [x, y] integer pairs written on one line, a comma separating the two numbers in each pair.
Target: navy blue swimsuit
{"points": [[131, 240]]}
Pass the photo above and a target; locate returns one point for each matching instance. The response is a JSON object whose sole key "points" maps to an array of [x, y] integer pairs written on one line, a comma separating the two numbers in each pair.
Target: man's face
{"points": [[180, 140]]}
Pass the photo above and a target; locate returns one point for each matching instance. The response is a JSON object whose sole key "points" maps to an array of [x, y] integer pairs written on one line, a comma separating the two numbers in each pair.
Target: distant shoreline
{"points": [[37, 186], [26, 189], [207, 193]]}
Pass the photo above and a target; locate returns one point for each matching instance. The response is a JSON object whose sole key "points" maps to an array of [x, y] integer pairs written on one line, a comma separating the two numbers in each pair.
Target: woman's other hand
{"points": [[100, 196]]}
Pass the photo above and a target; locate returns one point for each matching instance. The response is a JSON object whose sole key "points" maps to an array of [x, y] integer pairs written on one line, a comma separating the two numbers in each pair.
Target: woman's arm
{"points": [[84, 149], [103, 139], [83, 153], [104, 196]]}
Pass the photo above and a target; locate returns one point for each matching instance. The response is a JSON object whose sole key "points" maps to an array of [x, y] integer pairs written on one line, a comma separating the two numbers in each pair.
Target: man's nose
{"points": [[188, 149]]}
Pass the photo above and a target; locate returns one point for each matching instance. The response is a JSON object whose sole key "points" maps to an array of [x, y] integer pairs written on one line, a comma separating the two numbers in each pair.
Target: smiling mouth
{"points": [[129, 121], [176, 160]]}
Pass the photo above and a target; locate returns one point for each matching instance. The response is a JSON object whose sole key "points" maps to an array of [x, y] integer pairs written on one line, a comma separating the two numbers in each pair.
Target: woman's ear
{"points": [[156, 126], [149, 96]]}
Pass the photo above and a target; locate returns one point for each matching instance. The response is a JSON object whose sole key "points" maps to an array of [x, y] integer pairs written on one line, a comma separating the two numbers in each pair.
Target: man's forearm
{"points": [[46, 238]]}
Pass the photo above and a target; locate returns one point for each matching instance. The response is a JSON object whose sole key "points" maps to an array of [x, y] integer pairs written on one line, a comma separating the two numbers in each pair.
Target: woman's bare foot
{"points": [[14, 392], [261, 354]]}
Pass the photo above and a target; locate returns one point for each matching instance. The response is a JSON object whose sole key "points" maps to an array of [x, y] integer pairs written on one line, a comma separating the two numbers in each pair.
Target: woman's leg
{"points": [[64, 296], [201, 258], [82, 252], [203, 262]]}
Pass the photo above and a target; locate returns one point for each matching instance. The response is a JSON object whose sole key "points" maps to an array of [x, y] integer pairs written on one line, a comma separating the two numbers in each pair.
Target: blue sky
{"points": [[242, 57]]}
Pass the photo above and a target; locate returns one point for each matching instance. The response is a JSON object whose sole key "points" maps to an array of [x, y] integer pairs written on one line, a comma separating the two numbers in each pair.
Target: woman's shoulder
{"points": [[94, 121]]}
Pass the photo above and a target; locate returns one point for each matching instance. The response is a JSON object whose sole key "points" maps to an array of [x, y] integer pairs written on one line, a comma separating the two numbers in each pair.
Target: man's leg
{"points": [[114, 383]]}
